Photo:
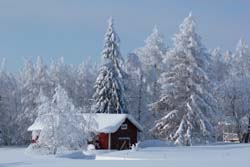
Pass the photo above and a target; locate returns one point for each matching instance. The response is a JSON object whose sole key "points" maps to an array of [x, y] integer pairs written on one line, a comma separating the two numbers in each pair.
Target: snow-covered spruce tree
{"points": [[28, 98], [186, 101], [63, 127], [33, 78], [233, 97], [77, 81], [233, 93], [151, 56], [228, 56], [109, 88], [134, 84], [42, 78], [241, 59], [221, 68], [64, 75], [85, 79], [8, 106], [136, 95]]}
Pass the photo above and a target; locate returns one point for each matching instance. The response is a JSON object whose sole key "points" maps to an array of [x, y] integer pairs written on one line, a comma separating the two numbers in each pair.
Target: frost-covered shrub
{"points": [[63, 128]]}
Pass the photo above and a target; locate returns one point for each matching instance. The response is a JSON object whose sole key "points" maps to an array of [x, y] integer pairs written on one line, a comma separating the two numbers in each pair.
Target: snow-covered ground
{"points": [[229, 155]]}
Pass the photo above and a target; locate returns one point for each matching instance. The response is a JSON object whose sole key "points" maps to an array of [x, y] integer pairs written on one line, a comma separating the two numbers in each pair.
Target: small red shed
{"points": [[114, 131], [36, 129]]}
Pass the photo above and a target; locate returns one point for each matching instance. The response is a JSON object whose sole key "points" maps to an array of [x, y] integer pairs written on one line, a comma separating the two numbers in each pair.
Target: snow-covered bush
{"points": [[91, 147], [63, 128]]}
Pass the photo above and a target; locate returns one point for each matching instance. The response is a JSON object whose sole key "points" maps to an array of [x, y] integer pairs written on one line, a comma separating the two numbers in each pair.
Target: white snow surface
{"points": [[229, 155], [109, 123]]}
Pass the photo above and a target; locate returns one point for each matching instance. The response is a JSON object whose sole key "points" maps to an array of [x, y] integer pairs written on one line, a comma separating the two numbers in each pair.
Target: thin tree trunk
{"points": [[140, 98], [140, 101]]}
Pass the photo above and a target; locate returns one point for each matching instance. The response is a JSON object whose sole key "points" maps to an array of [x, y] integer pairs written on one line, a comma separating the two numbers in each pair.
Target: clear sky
{"points": [[74, 29]]}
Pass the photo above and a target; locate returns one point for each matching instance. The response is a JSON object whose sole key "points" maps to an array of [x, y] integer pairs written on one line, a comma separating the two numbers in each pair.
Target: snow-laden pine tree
{"points": [[241, 59], [33, 78], [64, 75], [136, 95], [151, 56], [63, 126], [186, 100], [85, 79], [233, 93], [42, 78], [9, 104], [220, 67], [233, 96], [228, 57], [135, 86], [221, 73], [155, 47], [109, 88], [28, 98]]}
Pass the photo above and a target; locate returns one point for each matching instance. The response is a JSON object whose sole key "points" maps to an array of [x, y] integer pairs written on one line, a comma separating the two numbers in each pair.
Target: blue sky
{"points": [[75, 28]]}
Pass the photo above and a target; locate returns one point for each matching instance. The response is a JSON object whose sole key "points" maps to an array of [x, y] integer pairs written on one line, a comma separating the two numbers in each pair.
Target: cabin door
{"points": [[123, 143]]}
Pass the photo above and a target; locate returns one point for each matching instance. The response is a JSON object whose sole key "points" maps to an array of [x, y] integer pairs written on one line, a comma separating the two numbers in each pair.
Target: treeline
{"points": [[182, 93]]}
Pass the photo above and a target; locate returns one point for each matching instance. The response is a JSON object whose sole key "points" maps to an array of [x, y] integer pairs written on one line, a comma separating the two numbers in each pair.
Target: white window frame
{"points": [[124, 126]]}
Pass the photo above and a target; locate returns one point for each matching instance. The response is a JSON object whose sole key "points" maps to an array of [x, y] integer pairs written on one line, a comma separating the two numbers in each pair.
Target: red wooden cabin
{"points": [[115, 131], [112, 131]]}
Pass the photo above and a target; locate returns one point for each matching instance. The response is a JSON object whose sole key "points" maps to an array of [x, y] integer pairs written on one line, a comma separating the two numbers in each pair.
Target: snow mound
{"points": [[91, 147], [76, 155]]}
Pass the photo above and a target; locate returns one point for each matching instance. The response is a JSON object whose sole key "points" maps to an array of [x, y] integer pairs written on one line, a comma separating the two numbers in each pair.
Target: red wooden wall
{"points": [[103, 139]]}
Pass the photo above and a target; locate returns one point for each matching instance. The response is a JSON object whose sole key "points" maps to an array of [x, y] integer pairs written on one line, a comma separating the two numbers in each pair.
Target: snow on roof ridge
{"points": [[109, 123], [106, 123], [35, 126]]}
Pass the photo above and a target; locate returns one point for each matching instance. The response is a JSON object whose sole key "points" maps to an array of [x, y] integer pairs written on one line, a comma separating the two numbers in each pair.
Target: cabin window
{"points": [[124, 126]]}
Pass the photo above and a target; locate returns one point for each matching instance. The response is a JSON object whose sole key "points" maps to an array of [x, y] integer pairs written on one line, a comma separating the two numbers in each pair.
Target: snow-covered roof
{"points": [[37, 125], [109, 123], [102, 123]]}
